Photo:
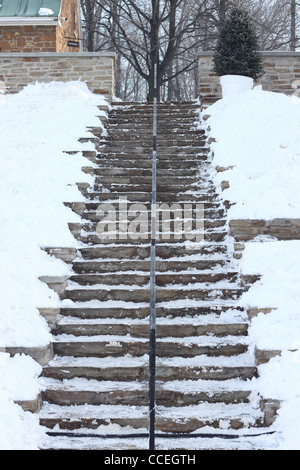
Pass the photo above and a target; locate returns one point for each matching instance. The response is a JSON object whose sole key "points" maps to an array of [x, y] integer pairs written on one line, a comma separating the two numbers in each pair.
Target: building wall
{"points": [[27, 39], [97, 70], [282, 74], [69, 29], [45, 38]]}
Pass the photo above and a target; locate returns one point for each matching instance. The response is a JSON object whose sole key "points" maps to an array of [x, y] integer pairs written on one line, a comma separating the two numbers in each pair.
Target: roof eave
{"points": [[32, 21]]}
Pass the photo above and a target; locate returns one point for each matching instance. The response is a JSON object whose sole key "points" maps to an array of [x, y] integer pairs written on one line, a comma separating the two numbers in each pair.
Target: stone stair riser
{"points": [[141, 398], [140, 348], [141, 374], [142, 331]]}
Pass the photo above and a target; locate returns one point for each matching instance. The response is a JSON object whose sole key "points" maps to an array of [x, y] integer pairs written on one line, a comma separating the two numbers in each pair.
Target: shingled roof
{"points": [[29, 9]]}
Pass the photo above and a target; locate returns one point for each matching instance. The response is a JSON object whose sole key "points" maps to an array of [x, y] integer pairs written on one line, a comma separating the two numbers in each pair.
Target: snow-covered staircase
{"points": [[97, 381]]}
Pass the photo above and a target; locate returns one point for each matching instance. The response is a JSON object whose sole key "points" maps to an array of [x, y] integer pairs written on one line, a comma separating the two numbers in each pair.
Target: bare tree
{"points": [[294, 12], [170, 33], [147, 33], [92, 13]]}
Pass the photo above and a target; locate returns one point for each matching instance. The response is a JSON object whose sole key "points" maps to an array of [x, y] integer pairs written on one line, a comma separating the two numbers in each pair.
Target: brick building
{"points": [[40, 26]]}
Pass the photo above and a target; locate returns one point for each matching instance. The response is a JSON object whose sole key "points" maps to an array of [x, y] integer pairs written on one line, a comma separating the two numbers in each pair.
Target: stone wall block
{"points": [[96, 69], [281, 71]]}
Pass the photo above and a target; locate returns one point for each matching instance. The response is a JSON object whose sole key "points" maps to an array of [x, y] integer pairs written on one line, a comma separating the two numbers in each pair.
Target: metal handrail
{"points": [[152, 332]]}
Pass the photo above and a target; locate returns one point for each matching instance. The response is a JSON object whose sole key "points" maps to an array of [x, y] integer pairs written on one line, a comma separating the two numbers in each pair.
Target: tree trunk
{"points": [[293, 26], [222, 11], [154, 50]]}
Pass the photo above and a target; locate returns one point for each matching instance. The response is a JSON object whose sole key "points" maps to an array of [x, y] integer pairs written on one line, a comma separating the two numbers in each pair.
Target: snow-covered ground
{"points": [[257, 135], [36, 177]]}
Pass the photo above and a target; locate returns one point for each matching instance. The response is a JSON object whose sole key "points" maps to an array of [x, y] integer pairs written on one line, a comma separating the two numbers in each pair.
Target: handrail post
{"points": [[152, 333]]}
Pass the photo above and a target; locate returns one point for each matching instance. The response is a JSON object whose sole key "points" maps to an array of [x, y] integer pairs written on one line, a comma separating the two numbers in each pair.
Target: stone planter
{"points": [[234, 84]]}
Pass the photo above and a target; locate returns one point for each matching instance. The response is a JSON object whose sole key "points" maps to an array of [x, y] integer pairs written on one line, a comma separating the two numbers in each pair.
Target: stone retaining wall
{"points": [[282, 74], [96, 69], [248, 229], [28, 38]]}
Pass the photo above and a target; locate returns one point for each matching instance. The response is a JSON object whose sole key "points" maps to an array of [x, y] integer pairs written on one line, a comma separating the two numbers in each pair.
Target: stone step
{"points": [[171, 189], [127, 151], [91, 237], [141, 330], [168, 141], [142, 172], [147, 133], [120, 346], [163, 104], [104, 293], [148, 109], [91, 207], [177, 117], [146, 123], [239, 440], [163, 252], [142, 279], [99, 369], [115, 161], [169, 181], [211, 211], [198, 161], [233, 416], [145, 197], [89, 267], [123, 311], [75, 392], [166, 225], [212, 227]]}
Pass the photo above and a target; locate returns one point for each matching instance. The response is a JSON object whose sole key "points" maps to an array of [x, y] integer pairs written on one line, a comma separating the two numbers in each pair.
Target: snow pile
{"points": [[46, 12], [36, 177], [18, 429], [257, 136]]}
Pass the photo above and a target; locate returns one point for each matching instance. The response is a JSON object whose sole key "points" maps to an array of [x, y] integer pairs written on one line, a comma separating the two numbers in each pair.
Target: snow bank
{"points": [[19, 430], [257, 133], [36, 177]]}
